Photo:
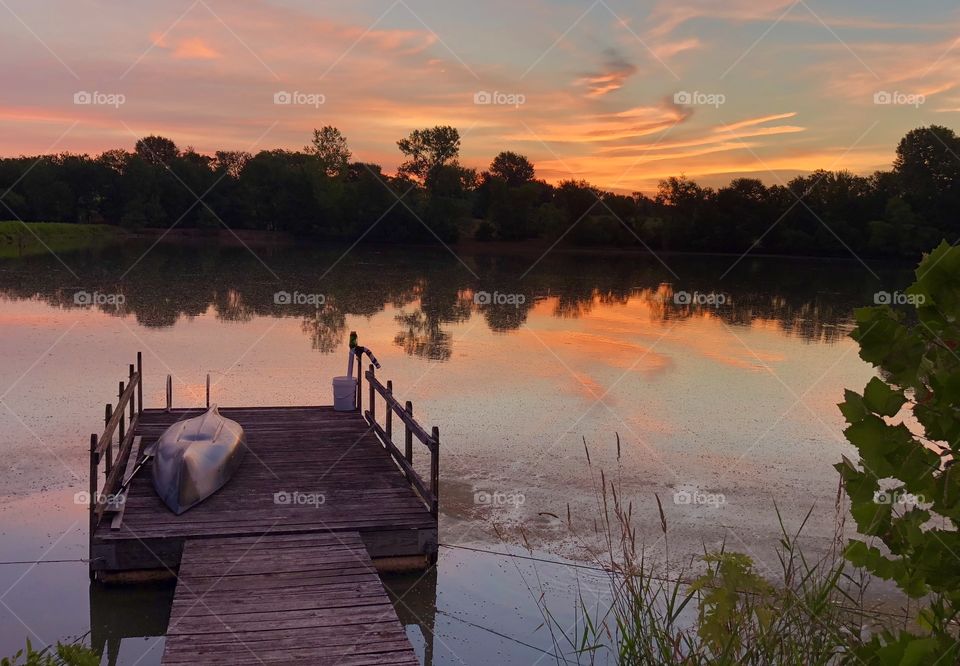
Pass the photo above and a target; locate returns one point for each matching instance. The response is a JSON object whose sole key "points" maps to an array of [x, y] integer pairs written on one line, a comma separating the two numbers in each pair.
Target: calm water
{"points": [[722, 405]]}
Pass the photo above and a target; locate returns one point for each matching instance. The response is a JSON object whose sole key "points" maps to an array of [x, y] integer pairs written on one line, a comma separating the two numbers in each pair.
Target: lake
{"points": [[719, 377]]}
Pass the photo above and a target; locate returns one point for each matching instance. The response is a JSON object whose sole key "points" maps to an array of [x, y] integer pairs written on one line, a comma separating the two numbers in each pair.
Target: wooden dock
{"points": [[288, 599], [321, 500]]}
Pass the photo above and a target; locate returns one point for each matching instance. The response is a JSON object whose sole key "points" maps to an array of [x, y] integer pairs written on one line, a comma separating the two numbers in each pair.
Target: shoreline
{"points": [[264, 238]]}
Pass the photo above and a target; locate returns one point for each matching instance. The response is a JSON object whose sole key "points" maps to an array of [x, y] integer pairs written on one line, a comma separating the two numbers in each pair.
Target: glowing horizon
{"points": [[619, 94]]}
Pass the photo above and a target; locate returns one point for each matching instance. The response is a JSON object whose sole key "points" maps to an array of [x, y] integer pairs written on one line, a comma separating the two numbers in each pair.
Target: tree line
{"points": [[321, 192]]}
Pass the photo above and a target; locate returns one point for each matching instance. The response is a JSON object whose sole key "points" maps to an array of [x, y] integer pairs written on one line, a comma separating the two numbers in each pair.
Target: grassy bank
{"points": [[19, 239]]}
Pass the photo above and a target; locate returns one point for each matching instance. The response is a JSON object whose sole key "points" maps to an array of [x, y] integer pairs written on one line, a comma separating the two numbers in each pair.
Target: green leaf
{"points": [[881, 399], [852, 407]]}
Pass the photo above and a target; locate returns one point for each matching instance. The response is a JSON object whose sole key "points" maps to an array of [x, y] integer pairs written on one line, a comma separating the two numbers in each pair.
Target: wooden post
{"points": [[435, 472], [208, 390], [359, 385], [139, 383], [389, 410], [408, 436], [169, 393], [93, 498], [107, 413], [133, 397], [373, 403], [123, 416]]}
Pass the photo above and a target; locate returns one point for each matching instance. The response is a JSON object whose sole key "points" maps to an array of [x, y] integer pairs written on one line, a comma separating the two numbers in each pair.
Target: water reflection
{"points": [[434, 291], [127, 611]]}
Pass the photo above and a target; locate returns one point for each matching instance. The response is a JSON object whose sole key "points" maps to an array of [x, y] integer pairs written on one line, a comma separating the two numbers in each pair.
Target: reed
{"points": [[719, 609]]}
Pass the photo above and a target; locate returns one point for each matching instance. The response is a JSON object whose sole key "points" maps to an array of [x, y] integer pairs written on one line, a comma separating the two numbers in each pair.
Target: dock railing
{"points": [[412, 430], [114, 445]]}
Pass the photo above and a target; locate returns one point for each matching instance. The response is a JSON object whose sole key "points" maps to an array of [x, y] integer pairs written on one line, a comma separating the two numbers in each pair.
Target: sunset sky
{"points": [[586, 90]]}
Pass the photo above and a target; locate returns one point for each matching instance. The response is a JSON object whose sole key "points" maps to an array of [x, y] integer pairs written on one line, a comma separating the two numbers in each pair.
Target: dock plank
{"points": [[234, 604]]}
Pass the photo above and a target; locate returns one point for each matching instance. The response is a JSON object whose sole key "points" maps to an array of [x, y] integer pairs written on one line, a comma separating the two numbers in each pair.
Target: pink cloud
{"points": [[195, 49]]}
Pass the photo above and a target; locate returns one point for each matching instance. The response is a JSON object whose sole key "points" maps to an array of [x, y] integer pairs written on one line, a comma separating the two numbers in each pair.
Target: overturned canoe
{"points": [[195, 457]]}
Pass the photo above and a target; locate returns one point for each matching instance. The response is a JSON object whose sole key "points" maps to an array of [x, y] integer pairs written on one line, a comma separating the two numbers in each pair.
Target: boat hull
{"points": [[195, 458]]}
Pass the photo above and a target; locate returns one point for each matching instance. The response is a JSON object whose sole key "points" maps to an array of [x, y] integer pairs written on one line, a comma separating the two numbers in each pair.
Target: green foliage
{"points": [[906, 429], [484, 232], [20, 239], [63, 654], [726, 604]]}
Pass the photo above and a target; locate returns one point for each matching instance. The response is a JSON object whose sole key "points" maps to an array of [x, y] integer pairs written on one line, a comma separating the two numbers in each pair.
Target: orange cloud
{"points": [[632, 123], [749, 122], [616, 71], [195, 49], [667, 50]]}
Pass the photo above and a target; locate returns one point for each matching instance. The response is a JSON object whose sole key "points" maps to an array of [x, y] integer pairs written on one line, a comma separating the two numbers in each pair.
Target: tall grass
{"points": [[718, 610]]}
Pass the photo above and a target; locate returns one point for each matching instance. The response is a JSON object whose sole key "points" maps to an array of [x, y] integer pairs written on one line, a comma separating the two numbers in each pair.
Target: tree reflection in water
{"points": [[432, 290]]}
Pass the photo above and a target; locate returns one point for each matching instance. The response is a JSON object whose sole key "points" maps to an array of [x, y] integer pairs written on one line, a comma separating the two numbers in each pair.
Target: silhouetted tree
{"points": [[329, 146], [512, 168], [928, 169], [156, 150], [429, 149], [231, 161], [889, 213]]}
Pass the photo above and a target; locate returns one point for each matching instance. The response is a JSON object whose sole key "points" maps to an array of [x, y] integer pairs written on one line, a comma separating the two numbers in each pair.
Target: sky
{"points": [[622, 94]]}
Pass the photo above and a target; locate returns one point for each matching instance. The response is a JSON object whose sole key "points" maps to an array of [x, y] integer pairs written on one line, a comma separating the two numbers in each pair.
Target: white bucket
{"points": [[344, 394]]}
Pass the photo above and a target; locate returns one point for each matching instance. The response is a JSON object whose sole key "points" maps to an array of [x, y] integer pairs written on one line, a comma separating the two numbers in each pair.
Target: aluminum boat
{"points": [[196, 457]]}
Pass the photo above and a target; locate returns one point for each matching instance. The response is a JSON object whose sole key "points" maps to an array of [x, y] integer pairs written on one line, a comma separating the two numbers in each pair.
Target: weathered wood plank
{"points": [[245, 600], [121, 500]]}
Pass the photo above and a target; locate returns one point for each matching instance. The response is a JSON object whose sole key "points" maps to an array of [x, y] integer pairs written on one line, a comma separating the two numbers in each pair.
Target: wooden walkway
{"points": [[283, 599]]}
